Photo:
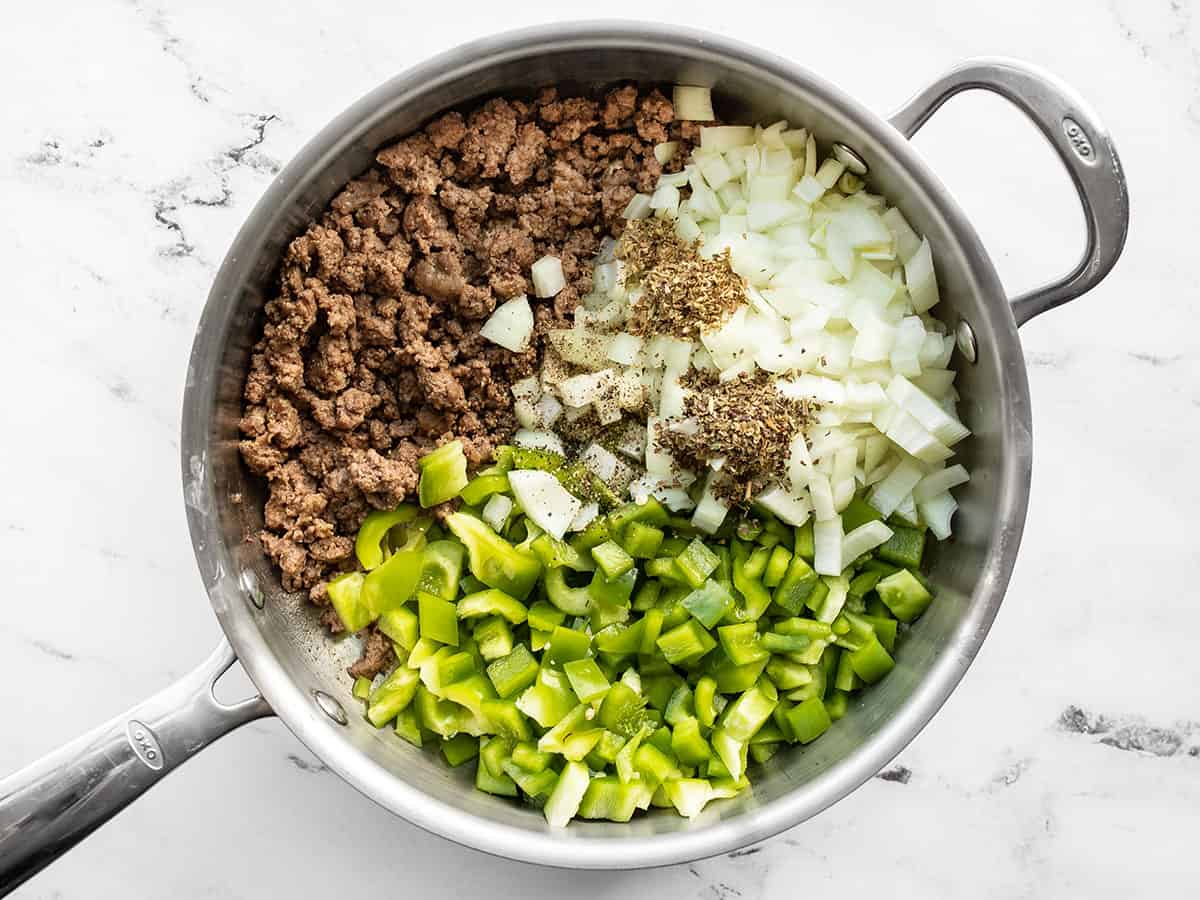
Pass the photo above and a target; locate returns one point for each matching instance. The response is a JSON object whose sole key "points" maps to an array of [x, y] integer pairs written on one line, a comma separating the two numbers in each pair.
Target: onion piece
{"points": [[864, 538], [939, 482], [898, 485], [692, 103], [711, 510], [921, 278], [586, 515], [937, 512], [547, 276], [665, 152], [539, 440], [546, 502], [638, 207], [511, 325], [600, 461], [926, 411], [496, 510], [827, 543], [790, 507]]}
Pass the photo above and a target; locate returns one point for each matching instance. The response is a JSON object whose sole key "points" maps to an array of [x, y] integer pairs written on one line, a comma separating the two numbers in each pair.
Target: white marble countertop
{"points": [[138, 135]]}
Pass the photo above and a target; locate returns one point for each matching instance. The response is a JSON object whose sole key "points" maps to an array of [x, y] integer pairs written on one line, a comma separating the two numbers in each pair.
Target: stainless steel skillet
{"points": [[48, 807]]}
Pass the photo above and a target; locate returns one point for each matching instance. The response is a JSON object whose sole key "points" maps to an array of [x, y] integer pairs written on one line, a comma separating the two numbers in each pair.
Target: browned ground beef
{"points": [[370, 353]]}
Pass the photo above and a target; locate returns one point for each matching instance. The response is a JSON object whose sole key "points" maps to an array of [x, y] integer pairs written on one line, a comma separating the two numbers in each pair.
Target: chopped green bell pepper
{"points": [[612, 559], [709, 603], [641, 541], [697, 562], [368, 543], [392, 584], [871, 661], [460, 748], [493, 560], [443, 474], [441, 569], [905, 547], [904, 595], [513, 673], [567, 645], [797, 585], [686, 643], [438, 619], [492, 602], [574, 601], [345, 593], [482, 486], [808, 720]]}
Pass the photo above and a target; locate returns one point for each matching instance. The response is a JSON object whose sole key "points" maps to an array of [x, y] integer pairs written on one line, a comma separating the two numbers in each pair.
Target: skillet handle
{"points": [[53, 804], [1081, 142]]}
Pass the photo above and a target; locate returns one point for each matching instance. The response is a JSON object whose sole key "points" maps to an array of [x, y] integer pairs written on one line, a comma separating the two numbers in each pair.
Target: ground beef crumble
{"points": [[370, 352]]}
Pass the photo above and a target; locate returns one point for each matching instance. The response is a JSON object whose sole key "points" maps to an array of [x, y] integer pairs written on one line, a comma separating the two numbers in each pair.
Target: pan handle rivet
{"points": [[965, 338], [330, 707], [849, 158]]}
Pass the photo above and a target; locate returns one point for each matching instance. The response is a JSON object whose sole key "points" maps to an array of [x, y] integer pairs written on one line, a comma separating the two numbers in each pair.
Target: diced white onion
{"points": [[899, 484], [864, 538], [939, 482], [787, 506], [711, 510], [547, 276], [600, 461], [546, 502], [638, 207], [665, 152], [693, 104], [586, 515], [937, 512], [496, 510], [539, 440], [585, 388], [827, 544], [921, 279], [510, 325]]}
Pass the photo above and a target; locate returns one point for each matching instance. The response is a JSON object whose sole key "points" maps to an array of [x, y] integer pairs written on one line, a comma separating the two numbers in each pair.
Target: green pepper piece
{"points": [[401, 626], [408, 725], [804, 542], [471, 692], [392, 584], [613, 591], [741, 643], [454, 667], [664, 567], [885, 629], [586, 679], [490, 781], [530, 758], [859, 512], [777, 567], [730, 751], [704, 699], [756, 561], [797, 585], [505, 719], [554, 553], [652, 623], [788, 675], [863, 583], [368, 543], [844, 678], [653, 765], [688, 744], [697, 562], [492, 602], [745, 715], [362, 688], [438, 619], [709, 603], [647, 595], [570, 600], [345, 593], [650, 513], [460, 748], [483, 486], [904, 595], [680, 705], [837, 704], [642, 541], [597, 532], [612, 559], [755, 597], [905, 547], [493, 560], [773, 642], [494, 638], [621, 711], [514, 672], [604, 754], [620, 640], [809, 720], [686, 643], [443, 474], [567, 645], [549, 699], [536, 785], [732, 678], [441, 569], [871, 661], [392, 695]]}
